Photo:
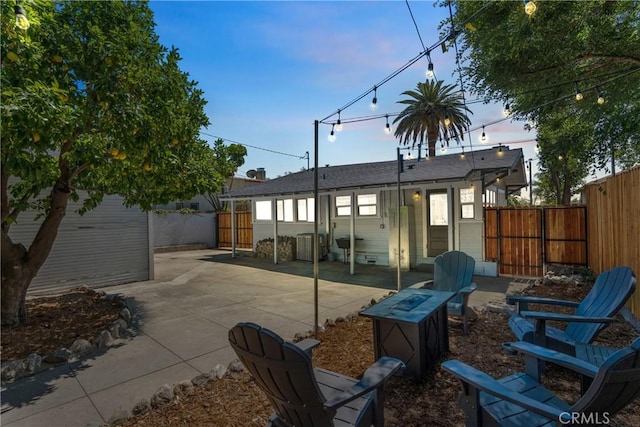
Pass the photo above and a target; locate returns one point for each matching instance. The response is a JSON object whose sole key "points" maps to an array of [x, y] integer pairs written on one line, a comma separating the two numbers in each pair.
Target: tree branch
{"points": [[612, 58]]}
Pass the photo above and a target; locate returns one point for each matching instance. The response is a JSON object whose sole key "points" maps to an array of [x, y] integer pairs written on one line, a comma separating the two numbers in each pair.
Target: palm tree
{"points": [[433, 110]]}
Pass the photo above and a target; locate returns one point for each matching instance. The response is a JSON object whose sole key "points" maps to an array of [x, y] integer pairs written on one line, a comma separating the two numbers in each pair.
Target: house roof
{"points": [[491, 163]]}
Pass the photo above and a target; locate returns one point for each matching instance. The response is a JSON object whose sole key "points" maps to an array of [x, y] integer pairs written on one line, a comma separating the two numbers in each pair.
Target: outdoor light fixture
{"points": [[387, 128], [506, 111], [579, 95], [374, 101], [21, 17], [560, 157], [416, 195], [447, 120], [430, 73], [529, 7], [338, 123], [332, 136], [443, 149], [600, 97], [483, 137]]}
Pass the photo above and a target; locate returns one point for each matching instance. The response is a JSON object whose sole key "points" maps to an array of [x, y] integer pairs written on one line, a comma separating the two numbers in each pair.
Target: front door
{"points": [[437, 224]]}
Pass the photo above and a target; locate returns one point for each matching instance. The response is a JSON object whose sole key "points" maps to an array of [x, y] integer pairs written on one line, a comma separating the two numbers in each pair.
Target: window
{"points": [[490, 198], [179, 206], [284, 210], [367, 204], [466, 203], [438, 207], [194, 206], [263, 210], [306, 210], [343, 205]]}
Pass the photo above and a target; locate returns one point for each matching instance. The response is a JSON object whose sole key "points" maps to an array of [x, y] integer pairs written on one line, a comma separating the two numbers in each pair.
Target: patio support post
{"points": [[274, 215], [315, 231], [352, 235], [233, 228], [398, 219]]}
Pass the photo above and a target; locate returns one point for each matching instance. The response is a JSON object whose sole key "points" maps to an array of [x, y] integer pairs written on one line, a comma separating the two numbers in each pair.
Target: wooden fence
{"points": [[244, 230], [613, 205], [524, 240]]}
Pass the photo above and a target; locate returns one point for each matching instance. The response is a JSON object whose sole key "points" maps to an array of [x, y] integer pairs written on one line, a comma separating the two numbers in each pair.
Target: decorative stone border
{"points": [[35, 363]]}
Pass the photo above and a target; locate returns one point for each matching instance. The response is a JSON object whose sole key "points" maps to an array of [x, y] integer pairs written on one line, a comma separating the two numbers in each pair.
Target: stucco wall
{"points": [[174, 229]]}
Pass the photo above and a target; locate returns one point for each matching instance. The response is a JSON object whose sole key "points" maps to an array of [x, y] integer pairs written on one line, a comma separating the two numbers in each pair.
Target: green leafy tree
{"points": [[537, 63], [434, 110], [227, 160], [92, 104]]}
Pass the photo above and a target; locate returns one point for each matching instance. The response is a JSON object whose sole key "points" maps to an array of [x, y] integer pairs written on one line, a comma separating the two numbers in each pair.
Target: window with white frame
{"points": [[343, 205], [263, 210], [367, 204], [306, 210], [489, 197], [467, 203], [284, 209]]}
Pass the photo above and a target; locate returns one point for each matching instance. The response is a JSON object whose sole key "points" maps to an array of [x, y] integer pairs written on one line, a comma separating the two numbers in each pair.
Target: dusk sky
{"points": [[269, 69]]}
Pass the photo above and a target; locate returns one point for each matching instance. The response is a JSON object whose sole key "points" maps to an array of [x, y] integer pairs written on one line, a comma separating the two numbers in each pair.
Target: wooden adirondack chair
{"points": [[610, 292], [307, 396], [453, 272], [520, 399]]}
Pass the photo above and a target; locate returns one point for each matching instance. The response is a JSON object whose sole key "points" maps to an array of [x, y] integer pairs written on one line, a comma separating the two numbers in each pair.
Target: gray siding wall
{"points": [[174, 229], [108, 245]]}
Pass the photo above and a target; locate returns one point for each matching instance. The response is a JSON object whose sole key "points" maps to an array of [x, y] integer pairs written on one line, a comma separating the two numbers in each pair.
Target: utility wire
{"points": [[253, 146]]}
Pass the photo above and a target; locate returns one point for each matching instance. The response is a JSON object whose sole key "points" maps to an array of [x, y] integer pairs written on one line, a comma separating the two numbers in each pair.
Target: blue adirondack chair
{"points": [[306, 396], [609, 293], [520, 399], [453, 272]]}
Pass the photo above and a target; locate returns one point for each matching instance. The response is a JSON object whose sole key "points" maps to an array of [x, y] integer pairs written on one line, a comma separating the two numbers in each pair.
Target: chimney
{"points": [[261, 175]]}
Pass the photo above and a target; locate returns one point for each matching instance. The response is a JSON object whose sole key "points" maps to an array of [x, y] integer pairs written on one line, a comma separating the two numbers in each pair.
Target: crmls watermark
{"points": [[578, 418]]}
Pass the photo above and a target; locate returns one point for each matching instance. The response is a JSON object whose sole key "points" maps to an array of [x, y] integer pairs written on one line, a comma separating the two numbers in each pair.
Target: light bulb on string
{"points": [[506, 111], [579, 95], [462, 154], [332, 135], [21, 17], [447, 120], [443, 149], [430, 72], [387, 128], [537, 149], [374, 101], [483, 137], [338, 123], [530, 7]]}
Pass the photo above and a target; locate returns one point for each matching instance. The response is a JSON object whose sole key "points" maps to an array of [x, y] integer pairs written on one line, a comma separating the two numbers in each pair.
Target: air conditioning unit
{"points": [[304, 246]]}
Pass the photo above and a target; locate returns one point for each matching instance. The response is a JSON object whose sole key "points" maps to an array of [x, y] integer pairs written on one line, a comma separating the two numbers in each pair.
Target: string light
{"points": [[530, 7], [332, 136], [483, 137], [430, 72], [506, 111], [387, 128], [374, 101], [447, 120], [21, 17], [579, 95], [443, 149], [338, 123]]}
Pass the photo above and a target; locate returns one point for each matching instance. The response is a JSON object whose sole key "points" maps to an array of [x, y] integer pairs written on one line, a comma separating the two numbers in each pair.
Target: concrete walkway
{"points": [[183, 317]]}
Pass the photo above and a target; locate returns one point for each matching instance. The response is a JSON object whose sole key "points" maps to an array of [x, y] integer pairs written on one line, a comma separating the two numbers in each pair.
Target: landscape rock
{"points": [[10, 370], [118, 418], [184, 388], [141, 407], [235, 366], [201, 379], [340, 319], [61, 355], [125, 315], [104, 339], [118, 328], [329, 322], [81, 348], [219, 371], [33, 362], [163, 396]]}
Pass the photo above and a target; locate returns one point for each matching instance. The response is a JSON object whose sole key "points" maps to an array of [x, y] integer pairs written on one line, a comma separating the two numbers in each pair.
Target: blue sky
{"points": [[269, 69]]}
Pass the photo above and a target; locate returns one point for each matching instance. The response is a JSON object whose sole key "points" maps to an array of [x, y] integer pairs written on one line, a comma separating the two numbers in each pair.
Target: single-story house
{"points": [[440, 202]]}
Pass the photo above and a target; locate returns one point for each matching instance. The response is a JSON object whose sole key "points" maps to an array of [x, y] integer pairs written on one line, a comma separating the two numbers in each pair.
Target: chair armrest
{"points": [[374, 377], [481, 381], [428, 284], [537, 315], [307, 345], [468, 289], [524, 301], [555, 357]]}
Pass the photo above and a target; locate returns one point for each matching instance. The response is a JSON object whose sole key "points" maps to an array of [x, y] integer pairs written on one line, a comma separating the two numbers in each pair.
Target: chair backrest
{"points": [[453, 271], [616, 384], [610, 292], [284, 373]]}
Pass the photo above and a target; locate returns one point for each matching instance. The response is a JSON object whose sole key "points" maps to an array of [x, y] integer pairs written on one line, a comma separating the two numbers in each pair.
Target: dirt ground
{"points": [[346, 347]]}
